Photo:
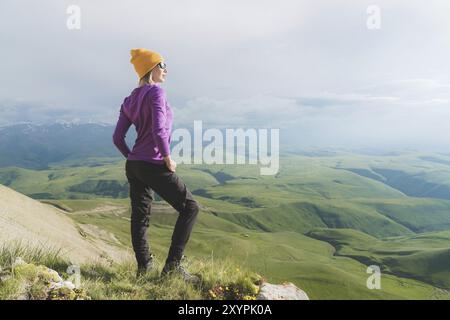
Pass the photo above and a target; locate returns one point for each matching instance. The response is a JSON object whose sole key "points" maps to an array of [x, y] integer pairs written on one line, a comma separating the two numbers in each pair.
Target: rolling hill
{"points": [[29, 222], [318, 223]]}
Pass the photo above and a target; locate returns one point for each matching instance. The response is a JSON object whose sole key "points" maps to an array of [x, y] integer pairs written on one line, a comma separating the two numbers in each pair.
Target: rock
{"points": [[30, 272], [38, 282], [4, 278], [19, 261], [286, 291], [56, 277], [62, 284]]}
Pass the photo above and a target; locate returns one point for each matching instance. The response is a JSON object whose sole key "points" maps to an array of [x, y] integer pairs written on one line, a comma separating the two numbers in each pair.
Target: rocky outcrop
{"points": [[287, 291], [37, 282]]}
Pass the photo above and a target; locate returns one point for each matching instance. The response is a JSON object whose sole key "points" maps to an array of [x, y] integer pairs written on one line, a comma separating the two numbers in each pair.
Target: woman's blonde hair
{"points": [[146, 79]]}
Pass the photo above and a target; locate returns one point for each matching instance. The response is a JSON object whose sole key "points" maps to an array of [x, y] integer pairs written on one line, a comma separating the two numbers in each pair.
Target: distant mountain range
{"points": [[36, 146]]}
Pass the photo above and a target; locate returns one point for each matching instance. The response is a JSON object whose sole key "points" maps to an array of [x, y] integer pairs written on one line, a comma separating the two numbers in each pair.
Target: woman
{"points": [[149, 166]]}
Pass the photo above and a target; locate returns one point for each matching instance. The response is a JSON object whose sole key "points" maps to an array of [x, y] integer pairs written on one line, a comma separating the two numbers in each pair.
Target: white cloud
{"points": [[311, 67], [338, 119]]}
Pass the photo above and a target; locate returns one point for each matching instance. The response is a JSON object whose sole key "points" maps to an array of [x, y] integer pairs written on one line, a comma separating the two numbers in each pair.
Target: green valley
{"points": [[318, 223]]}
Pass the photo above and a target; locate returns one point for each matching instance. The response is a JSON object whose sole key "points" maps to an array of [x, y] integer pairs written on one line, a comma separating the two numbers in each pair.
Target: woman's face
{"points": [[158, 74]]}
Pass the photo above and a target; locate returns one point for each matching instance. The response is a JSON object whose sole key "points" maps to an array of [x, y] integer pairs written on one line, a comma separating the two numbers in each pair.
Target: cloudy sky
{"points": [[311, 68]]}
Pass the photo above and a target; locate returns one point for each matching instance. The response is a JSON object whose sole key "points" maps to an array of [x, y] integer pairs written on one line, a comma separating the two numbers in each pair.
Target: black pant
{"points": [[145, 178]]}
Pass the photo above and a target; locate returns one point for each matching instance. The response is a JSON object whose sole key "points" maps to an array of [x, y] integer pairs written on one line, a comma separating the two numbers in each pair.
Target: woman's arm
{"points": [[123, 124], [158, 109], [160, 133]]}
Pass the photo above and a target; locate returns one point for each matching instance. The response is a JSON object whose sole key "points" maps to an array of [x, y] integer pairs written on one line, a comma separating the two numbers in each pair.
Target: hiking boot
{"points": [[176, 268], [142, 270]]}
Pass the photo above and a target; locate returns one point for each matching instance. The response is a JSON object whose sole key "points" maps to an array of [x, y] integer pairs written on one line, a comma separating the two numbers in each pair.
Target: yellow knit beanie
{"points": [[144, 60]]}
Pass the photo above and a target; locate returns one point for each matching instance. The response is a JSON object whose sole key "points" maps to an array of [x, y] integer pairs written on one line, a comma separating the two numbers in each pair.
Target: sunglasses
{"points": [[162, 65]]}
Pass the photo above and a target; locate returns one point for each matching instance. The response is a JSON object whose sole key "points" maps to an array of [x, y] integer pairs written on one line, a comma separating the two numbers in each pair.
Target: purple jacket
{"points": [[147, 108]]}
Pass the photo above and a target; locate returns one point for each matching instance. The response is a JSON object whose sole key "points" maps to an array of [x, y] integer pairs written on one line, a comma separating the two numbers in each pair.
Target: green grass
{"points": [[416, 214], [220, 279], [425, 257], [279, 256], [304, 216], [308, 192], [46, 255], [283, 226]]}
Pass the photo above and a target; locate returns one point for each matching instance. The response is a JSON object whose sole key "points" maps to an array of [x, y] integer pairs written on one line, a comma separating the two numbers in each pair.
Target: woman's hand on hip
{"points": [[170, 164]]}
